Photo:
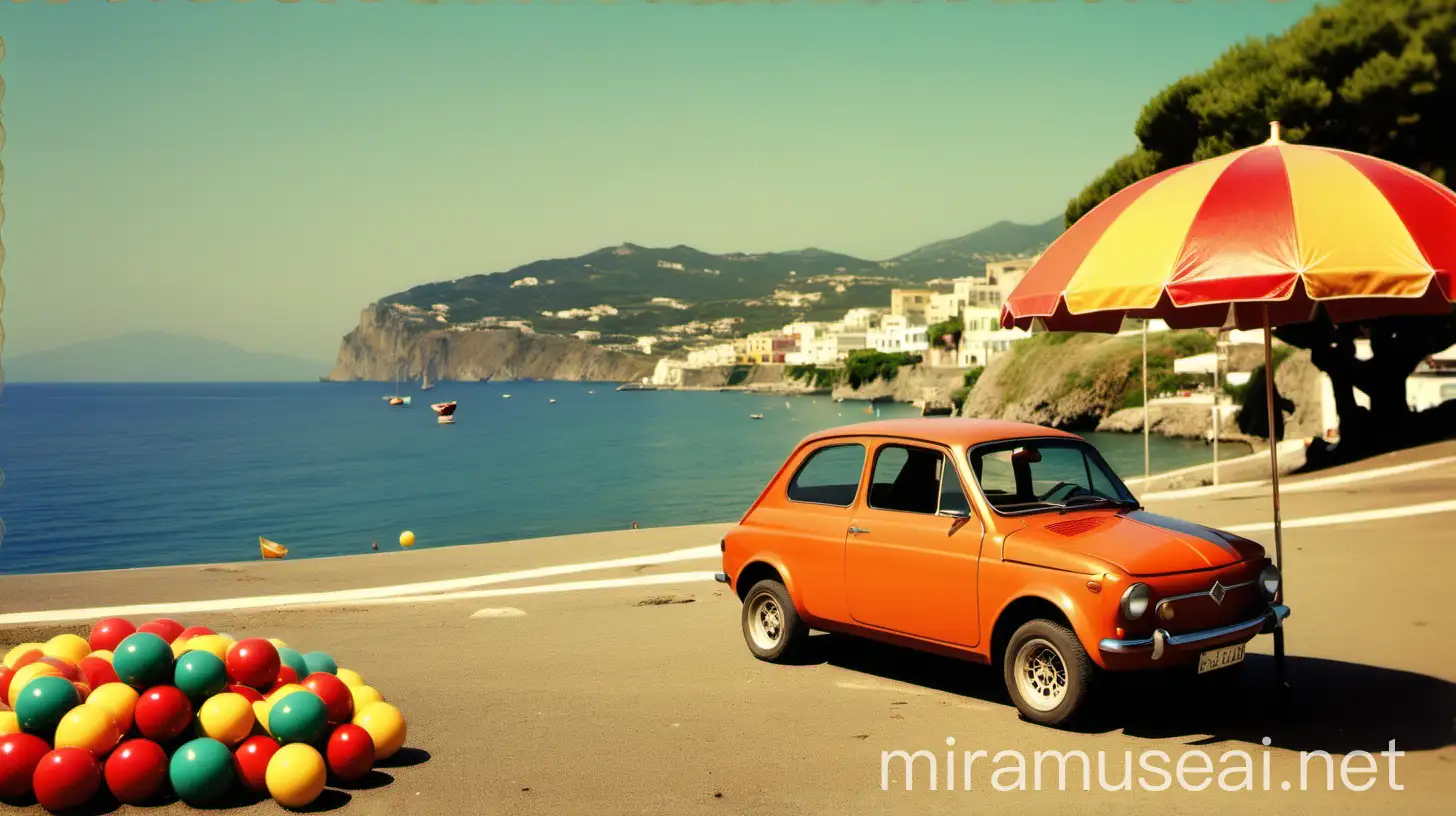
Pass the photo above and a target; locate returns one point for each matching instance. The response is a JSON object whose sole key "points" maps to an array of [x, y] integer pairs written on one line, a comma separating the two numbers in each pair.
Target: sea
{"points": [[115, 476]]}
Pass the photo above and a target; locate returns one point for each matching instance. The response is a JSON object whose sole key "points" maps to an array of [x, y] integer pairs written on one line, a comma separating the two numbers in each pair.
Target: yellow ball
{"points": [[27, 674], [70, 648], [118, 699], [406, 539], [295, 775], [385, 725], [260, 717], [104, 654], [89, 727], [9, 723], [277, 644], [179, 646], [364, 695], [283, 691], [227, 718], [217, 644], [350, 677], [16, 653]]}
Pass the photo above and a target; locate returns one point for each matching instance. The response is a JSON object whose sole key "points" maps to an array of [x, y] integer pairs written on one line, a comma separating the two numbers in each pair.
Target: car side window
{"points": [[829, 476], [915, 480], [997, 477]]}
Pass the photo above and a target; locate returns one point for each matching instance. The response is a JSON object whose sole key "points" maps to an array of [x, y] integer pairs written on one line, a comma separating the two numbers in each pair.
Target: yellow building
{"points": [[910, 304]]}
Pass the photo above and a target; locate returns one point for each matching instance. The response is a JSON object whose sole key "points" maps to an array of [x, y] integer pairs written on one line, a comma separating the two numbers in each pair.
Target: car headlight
{"points": [[1269, 582], [1135, 601]]}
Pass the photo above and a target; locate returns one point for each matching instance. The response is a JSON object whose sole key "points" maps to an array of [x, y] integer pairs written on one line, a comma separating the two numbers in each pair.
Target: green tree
{"points": [[952, 328], [1371, 76]]}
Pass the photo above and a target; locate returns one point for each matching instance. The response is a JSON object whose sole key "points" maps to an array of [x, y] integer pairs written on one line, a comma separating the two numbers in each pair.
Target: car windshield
{"points": [[1046, 474]]}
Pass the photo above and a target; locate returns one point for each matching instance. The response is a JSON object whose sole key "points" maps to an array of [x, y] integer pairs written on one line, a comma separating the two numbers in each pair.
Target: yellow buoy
{"points": [[406, 539], [118, 699], [89, 727], [9, 723], [295, 775], [385, 726], [227, 718], [364, 695], [350, 677]]}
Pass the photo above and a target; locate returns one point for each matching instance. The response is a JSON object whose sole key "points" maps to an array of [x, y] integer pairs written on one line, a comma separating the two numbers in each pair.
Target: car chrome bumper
{"points": [[1272, 619], [720, 577]]}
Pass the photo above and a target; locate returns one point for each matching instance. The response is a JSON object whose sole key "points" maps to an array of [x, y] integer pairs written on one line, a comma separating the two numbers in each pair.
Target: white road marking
{"points": [[350, 595], [538, 589], [1303, 486], [1350, 518], [498, 612], [850, 685]]}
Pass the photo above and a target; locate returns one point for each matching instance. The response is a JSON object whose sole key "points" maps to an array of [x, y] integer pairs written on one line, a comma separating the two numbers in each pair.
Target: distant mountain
{"points": [[1000, 240], [662, 290], [156, 356]]}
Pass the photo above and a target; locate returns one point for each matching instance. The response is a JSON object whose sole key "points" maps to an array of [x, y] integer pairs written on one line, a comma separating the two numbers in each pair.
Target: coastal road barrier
{"points": [[352, 596], [1350, 518], [538, 589], [1301, 485]]}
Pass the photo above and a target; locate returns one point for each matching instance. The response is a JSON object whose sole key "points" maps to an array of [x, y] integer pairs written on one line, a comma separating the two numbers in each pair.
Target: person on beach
{"points": [[375, 546], [635, 527]]}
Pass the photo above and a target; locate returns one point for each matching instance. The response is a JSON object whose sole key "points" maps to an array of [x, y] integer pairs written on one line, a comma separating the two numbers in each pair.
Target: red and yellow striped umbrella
{"points": [[1283, 227]]}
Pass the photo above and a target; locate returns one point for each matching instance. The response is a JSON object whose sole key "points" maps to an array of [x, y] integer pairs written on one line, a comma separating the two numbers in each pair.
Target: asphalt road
{"points": [[643, 699]]}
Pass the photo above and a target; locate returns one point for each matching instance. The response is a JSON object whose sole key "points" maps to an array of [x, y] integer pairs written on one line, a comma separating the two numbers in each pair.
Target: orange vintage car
{"points": [[998, 542]]}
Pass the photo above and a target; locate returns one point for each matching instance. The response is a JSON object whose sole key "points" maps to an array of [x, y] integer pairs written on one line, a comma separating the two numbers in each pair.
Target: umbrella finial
{"points": [[1274, 134]]}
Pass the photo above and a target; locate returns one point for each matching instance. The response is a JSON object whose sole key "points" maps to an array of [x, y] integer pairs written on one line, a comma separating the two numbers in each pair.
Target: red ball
{"points": [[67, 669], [6, 675], [286, 675], [253, 662], [65, 778], [253, 695], [193, 631], [135, 771], [108, 633], [164, 628], [19, 756], [162, 713], [251, 761], [98, 672], [350, 753], [336, 696]]}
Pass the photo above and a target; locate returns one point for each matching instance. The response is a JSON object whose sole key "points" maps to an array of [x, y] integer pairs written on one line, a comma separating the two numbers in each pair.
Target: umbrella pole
{"points": [[1279, 679], [1147, 460]]}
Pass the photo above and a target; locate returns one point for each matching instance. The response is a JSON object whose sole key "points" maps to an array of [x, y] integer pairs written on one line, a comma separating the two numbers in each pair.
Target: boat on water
{"points": [[505, 396], [395, 399], [425, 384], [271, 549], [755, 416], [644, 385], [444, 412], [553, 402]]}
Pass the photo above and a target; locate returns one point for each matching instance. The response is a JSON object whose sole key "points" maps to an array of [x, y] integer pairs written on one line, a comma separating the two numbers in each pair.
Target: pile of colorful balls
{"points": [[142, 708]]}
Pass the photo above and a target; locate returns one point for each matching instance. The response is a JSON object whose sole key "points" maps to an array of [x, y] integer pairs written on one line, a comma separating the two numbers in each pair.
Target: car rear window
{"points": [[829, 476]]}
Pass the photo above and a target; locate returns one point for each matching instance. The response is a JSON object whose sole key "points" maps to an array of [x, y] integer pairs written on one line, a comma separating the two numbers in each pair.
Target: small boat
{"points": [[553, 402], [755, 416], [445, 412], [425, 384], [445, 419], [505, 396], [395, 399], [591, 392], [787, 405], [271, 549]]}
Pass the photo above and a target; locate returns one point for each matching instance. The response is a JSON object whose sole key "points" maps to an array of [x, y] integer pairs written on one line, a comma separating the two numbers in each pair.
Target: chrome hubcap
{"points": [[1041, 675], [765, 621]]}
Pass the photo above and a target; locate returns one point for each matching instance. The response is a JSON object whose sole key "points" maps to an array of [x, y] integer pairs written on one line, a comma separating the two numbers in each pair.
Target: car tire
{"points": [[1047, 672], [771, 624]]}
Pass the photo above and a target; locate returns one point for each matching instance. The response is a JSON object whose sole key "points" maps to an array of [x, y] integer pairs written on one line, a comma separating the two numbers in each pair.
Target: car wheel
{"points": [[771, 625], [1047, 672]]}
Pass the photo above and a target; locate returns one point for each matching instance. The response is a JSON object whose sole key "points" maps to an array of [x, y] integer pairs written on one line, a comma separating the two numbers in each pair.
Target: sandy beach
{"points": [[593, 673]]}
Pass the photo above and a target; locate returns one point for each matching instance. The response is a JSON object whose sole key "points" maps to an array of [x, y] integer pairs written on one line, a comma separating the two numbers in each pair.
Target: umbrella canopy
{"points": [[1283, 227]]}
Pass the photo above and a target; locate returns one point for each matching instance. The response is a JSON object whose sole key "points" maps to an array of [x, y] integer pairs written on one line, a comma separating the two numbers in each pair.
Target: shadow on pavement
{"points": [[1331, 706], [405, 758]]}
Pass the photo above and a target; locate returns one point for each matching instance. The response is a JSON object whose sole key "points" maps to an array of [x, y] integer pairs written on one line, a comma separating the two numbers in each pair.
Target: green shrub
{"points": [[867, 365], [816, 377]]}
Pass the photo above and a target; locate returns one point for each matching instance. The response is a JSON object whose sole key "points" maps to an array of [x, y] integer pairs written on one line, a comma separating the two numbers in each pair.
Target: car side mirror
{"points": [[956, 514]]}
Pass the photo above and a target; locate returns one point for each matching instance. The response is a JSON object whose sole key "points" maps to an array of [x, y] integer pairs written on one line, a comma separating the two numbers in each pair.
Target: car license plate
{"points": [[1220, 658]]}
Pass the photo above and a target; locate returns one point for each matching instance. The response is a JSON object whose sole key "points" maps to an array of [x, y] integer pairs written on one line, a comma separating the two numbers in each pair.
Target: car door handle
{"points": [[857, 530]]}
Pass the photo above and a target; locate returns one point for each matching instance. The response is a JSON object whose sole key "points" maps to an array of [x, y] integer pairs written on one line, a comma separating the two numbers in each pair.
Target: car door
{"points": [[914, 546]]}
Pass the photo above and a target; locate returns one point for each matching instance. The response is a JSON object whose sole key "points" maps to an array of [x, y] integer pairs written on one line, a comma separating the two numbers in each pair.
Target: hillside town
{"points": [[902, 326]]}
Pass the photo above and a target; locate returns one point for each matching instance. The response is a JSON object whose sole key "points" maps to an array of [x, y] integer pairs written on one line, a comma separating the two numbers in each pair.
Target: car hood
{"points": [[1137, 542]]}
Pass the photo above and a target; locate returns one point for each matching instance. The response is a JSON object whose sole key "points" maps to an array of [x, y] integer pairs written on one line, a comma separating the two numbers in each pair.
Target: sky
{"points": [[259, 172]]}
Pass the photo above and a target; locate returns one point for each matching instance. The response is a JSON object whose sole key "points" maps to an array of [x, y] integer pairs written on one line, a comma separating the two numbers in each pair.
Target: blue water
{"points": [[113, 476]]}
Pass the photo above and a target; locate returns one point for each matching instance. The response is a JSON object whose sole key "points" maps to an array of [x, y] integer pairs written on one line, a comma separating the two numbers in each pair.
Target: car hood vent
{"points": [[1075, 526]]}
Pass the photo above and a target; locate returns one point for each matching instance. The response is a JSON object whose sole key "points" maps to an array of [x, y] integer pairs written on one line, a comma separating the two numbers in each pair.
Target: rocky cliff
{"points": [[919, 383], [387, 344], [1067, 381]]}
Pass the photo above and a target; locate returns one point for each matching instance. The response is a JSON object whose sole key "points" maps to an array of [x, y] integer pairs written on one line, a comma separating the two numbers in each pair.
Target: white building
{"points": [[862, 319], [982, 338], [588, 335], [722, 354], [646, 343], [895, 334], [943, 306], [668, 372]]}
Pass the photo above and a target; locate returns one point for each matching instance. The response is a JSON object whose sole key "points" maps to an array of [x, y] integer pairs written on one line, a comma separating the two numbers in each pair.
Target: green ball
{"points": [[199, 675], [201, 772], [299, 717], [143, 660], [42, 704], [319, 662], [292, 659]]}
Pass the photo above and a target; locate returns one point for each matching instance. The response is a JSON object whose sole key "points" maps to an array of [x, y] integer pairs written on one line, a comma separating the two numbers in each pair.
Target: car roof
{"points": [[953, 431]]}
